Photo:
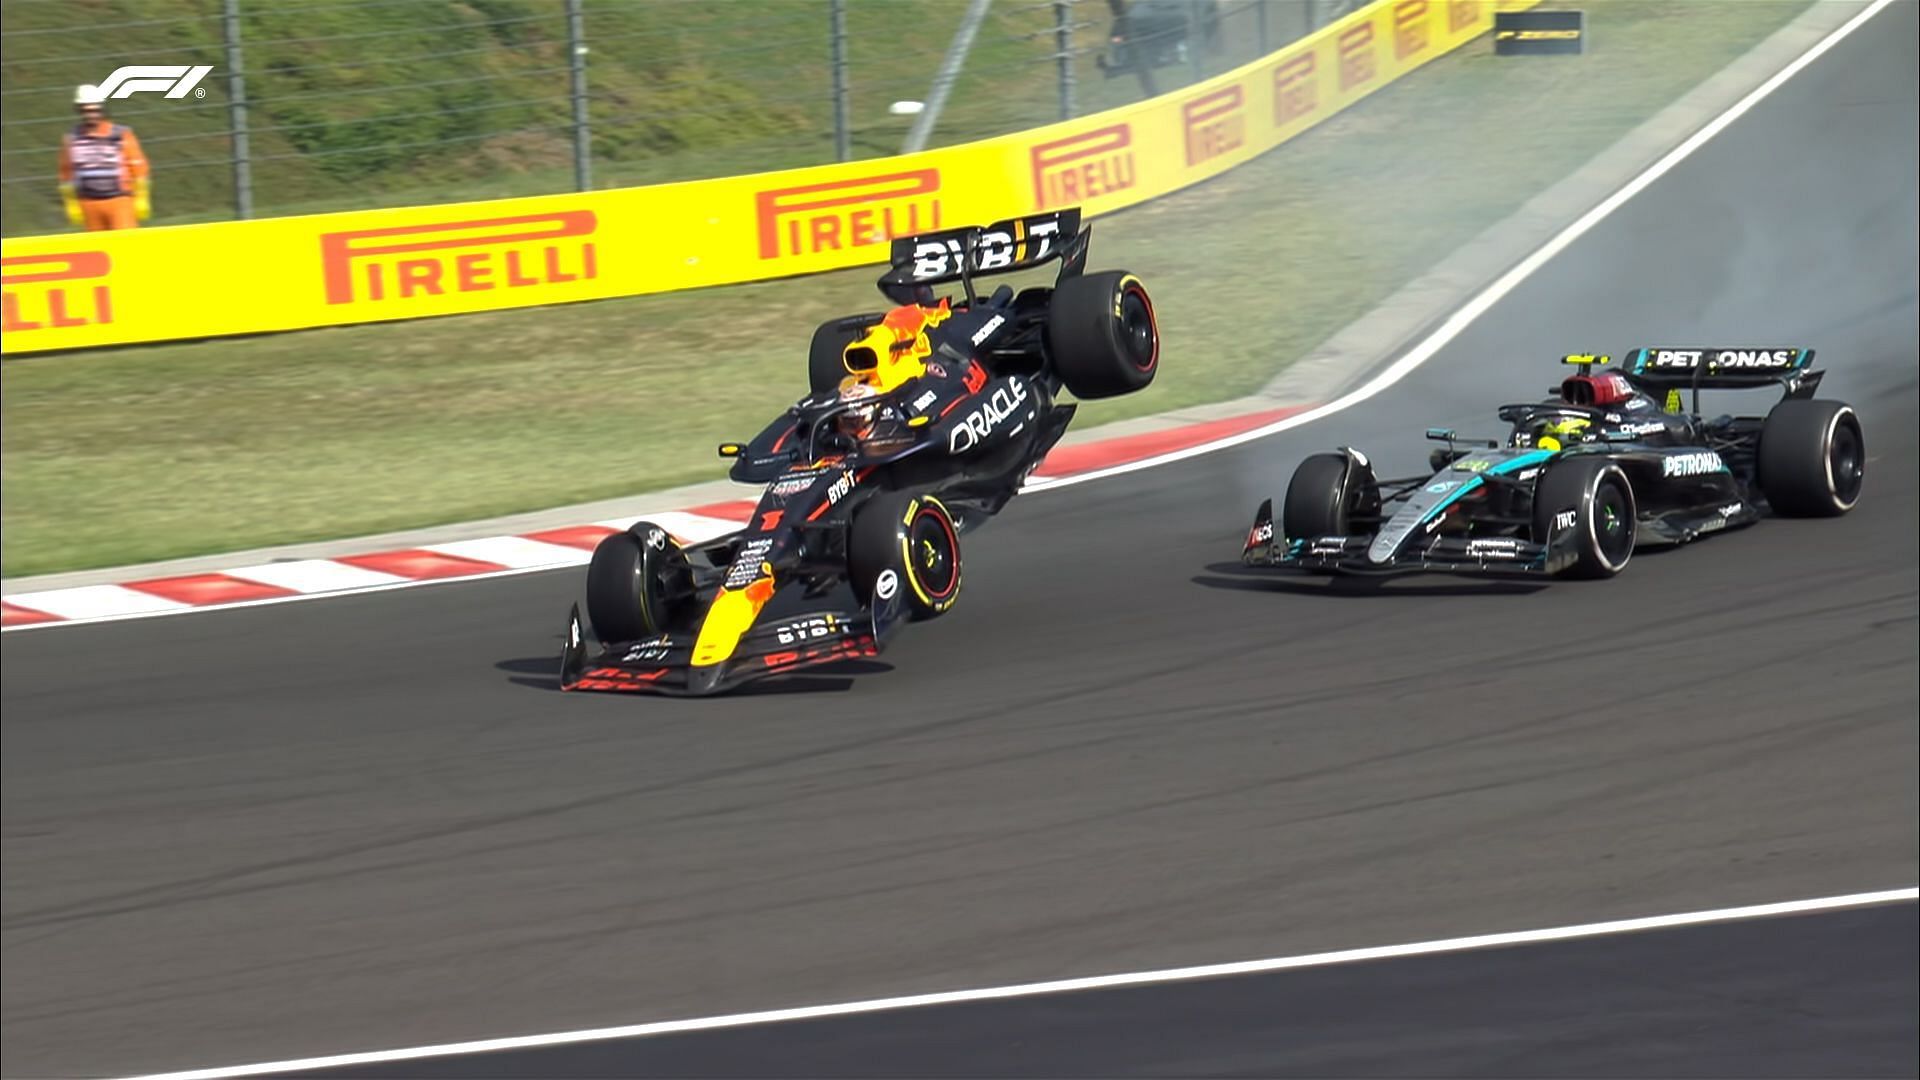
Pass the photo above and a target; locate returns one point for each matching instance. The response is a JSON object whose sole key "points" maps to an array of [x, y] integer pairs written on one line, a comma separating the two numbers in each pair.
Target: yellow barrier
{"points": [[191, 281]]}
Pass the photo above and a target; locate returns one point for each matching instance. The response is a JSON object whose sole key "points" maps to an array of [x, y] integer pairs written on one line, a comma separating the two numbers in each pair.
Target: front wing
{"points": [[1495, 555], [664, 665]]}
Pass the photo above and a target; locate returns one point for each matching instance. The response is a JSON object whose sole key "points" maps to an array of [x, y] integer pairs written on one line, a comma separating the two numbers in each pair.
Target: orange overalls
{"points": [[103, 162]]}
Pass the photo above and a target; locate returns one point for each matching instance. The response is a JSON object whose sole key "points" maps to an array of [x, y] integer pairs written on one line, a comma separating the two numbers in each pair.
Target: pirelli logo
{"points": [[1215, 124], [1462, 15], [409, 261], [55, 292], [1069, 171], [1358, 64], [1410, 33], [843, 214], [1296, 89]]}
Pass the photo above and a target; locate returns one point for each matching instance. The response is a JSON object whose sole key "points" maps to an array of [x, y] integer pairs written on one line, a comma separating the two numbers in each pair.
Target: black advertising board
{"points": [[1539, 33]]}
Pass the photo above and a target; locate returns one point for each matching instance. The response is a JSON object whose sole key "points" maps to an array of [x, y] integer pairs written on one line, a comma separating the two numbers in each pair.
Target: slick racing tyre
{"points": [[1102, 335], [1325, 495], [639, 585], [905, 542], [1813, 458], [826, 363], [1592, 497]]}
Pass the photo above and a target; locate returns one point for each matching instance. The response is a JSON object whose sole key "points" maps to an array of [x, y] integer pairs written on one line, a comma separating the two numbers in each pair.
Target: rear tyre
{"points": [[1325, 495], [905, 542], [639, 584], [1813, 458], [1599, 497], [1102, 335]]}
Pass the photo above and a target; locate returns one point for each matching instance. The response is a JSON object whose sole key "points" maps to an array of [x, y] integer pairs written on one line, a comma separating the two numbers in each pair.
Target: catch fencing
{"points": [[323, 105]]}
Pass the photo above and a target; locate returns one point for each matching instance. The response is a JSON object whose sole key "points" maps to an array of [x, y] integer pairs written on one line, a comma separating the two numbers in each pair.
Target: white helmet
{"points": [[89, 94]]}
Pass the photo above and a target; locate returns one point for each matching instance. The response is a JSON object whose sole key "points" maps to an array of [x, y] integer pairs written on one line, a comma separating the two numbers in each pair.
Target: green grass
{"points": [[363, 103], [137, 454]]}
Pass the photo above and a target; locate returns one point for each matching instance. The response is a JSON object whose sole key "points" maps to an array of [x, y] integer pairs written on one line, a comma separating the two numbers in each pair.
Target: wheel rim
{"points": [[1137, 332], [1612, 525], [931, 551], [1846, 464]]}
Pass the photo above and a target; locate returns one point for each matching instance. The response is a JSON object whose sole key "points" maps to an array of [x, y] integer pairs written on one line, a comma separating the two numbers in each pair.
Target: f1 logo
{"points": [[178, 80]]}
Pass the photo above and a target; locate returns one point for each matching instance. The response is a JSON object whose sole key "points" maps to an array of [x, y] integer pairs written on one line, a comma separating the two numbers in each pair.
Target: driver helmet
{"points": [[862, 400], [1563, 431]]}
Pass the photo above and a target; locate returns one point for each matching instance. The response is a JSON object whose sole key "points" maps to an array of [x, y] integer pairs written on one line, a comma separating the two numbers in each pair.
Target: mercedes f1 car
{"points": [[1613, 461], [923, 421]]}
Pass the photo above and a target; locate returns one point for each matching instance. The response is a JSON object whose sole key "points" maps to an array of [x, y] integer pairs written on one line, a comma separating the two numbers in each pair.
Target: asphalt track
{"points": [[1829, 995], [371, 821]]}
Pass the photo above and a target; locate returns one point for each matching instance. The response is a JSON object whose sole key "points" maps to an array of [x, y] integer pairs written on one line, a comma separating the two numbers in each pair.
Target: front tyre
{"points": [[639, 584], [1591, 501], [1102, 335], [1327, 493], [905, 542], [1813, 458]]}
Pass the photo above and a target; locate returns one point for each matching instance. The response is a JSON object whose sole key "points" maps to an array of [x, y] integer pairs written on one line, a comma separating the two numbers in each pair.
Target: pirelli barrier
{"points": [[191, 281]]}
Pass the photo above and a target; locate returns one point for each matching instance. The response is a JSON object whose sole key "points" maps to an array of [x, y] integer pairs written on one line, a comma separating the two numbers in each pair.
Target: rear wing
{"points": [[935, 258], [1672, 370], [1717, 368]]}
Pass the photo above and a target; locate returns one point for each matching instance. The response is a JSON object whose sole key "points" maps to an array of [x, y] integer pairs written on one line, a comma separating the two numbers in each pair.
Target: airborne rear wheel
{"points": [[1102, 335]]}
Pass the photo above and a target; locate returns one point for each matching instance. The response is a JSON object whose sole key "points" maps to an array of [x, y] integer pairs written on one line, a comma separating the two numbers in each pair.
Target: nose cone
{"points": [[730, 616], [1386, 543]]}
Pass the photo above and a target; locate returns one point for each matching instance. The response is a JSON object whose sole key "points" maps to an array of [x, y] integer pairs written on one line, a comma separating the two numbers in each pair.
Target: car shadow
{"points": [[1236, 577], [534, 672]]}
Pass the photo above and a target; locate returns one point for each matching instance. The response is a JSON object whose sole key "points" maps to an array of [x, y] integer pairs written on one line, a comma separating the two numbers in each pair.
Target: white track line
{"points": [[1097, 982], [1507, 282], [1400, 368]]}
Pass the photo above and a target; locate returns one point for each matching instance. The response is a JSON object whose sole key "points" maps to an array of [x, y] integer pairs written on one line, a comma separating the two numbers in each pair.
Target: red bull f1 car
{"points": [[1612, 462], [923, 422]]}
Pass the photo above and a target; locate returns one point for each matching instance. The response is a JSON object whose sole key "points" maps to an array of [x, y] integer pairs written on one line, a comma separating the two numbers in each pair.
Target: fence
{"points": [[318, 105]]}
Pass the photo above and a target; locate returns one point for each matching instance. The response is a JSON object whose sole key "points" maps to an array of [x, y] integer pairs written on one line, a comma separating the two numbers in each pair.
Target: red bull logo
{"points": [[1462, 15], [1069, 171], [408, 261], [53, 292], [1296, 89], [1409, 27], [1358, 63], [843, 214], [1216, 123]]}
